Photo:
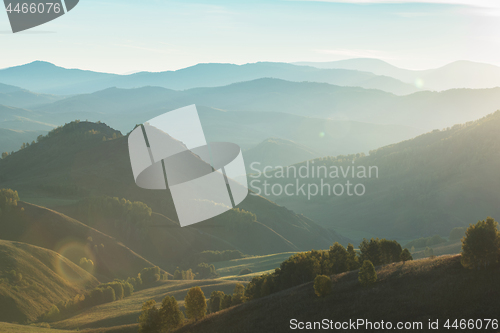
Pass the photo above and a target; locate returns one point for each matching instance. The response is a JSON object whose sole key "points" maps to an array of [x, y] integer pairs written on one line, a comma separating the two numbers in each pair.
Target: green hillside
{"points": [[426, 186], [16, 328], [75, 162], [32, 279], [127, 310], [415, 291]]}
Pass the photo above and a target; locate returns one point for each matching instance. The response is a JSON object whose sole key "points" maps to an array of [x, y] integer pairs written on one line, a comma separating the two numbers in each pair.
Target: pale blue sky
{"points": [[121, 35]]}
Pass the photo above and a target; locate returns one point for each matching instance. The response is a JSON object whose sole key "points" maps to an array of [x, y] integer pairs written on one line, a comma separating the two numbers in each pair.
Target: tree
{"points": [[216, 300], [195, 303], [149, 320], [4, 155], [367, 275], [339, 258], [170, 314], [177, 274], [406, 255], [87, 264], [322, 285], [352, 258], [238, 294], [481, 245], [245, 271]]}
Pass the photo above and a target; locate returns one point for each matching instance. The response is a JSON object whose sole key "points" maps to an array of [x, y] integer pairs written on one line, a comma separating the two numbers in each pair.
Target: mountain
{"points": [[425, 110], [458, 74], [23, 120], [425, 186], [41, 278], [414, 292], [11, 140], [21, 98], [75, 159], [48, 78], [275, 151], [45, 77]]}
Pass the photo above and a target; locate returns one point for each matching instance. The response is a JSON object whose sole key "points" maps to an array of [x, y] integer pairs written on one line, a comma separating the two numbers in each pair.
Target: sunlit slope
{"points": [[415, 291], [54, 231], [34, 278], [232, 268], [126, 311]]}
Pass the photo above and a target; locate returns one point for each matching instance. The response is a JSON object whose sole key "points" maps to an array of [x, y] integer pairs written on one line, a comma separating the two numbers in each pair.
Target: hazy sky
{"points": [[122, 35]]}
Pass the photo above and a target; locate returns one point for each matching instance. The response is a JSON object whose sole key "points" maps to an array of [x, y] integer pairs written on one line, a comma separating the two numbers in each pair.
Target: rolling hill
{"points": [[11, 140], [275, 151], [48, 78], [415, 291], [46, 278], [458, 74], [76, 159], [426, 186], [426, 110]]}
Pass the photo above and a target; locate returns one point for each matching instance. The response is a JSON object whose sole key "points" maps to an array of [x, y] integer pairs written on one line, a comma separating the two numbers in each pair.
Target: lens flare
{"points": [[74, 251]]}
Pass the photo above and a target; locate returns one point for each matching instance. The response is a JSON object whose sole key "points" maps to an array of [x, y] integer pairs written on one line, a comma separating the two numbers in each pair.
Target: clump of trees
{"points": [[8, 200], [367, 275], [206, 271], [305, 266], [168, 317], [481, 245], [322, 285], [245, 271], [184, 275], [220, 301]]}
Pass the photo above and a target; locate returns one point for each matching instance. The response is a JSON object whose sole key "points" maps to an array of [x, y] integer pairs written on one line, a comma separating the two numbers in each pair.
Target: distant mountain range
{"points": [[425, 110], [47, 78], [459, 74]]}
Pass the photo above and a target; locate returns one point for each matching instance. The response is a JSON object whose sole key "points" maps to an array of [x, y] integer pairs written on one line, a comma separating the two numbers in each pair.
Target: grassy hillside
{"points": [[258, 264], [16, 328], [426, 186], [75, 159], [419, 290], [46, 278], [127, 310], [52, 230]]}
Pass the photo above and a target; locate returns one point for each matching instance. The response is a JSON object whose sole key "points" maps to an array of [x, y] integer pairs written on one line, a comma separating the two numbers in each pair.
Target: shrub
{"points": [[245, 271], [322, 285], [367, 275], [206, 271], [87, 264]]}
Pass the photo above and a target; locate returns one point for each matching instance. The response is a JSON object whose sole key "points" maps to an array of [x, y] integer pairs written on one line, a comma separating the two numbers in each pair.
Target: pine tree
{"points": [[195, 303], [367, 275]]}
